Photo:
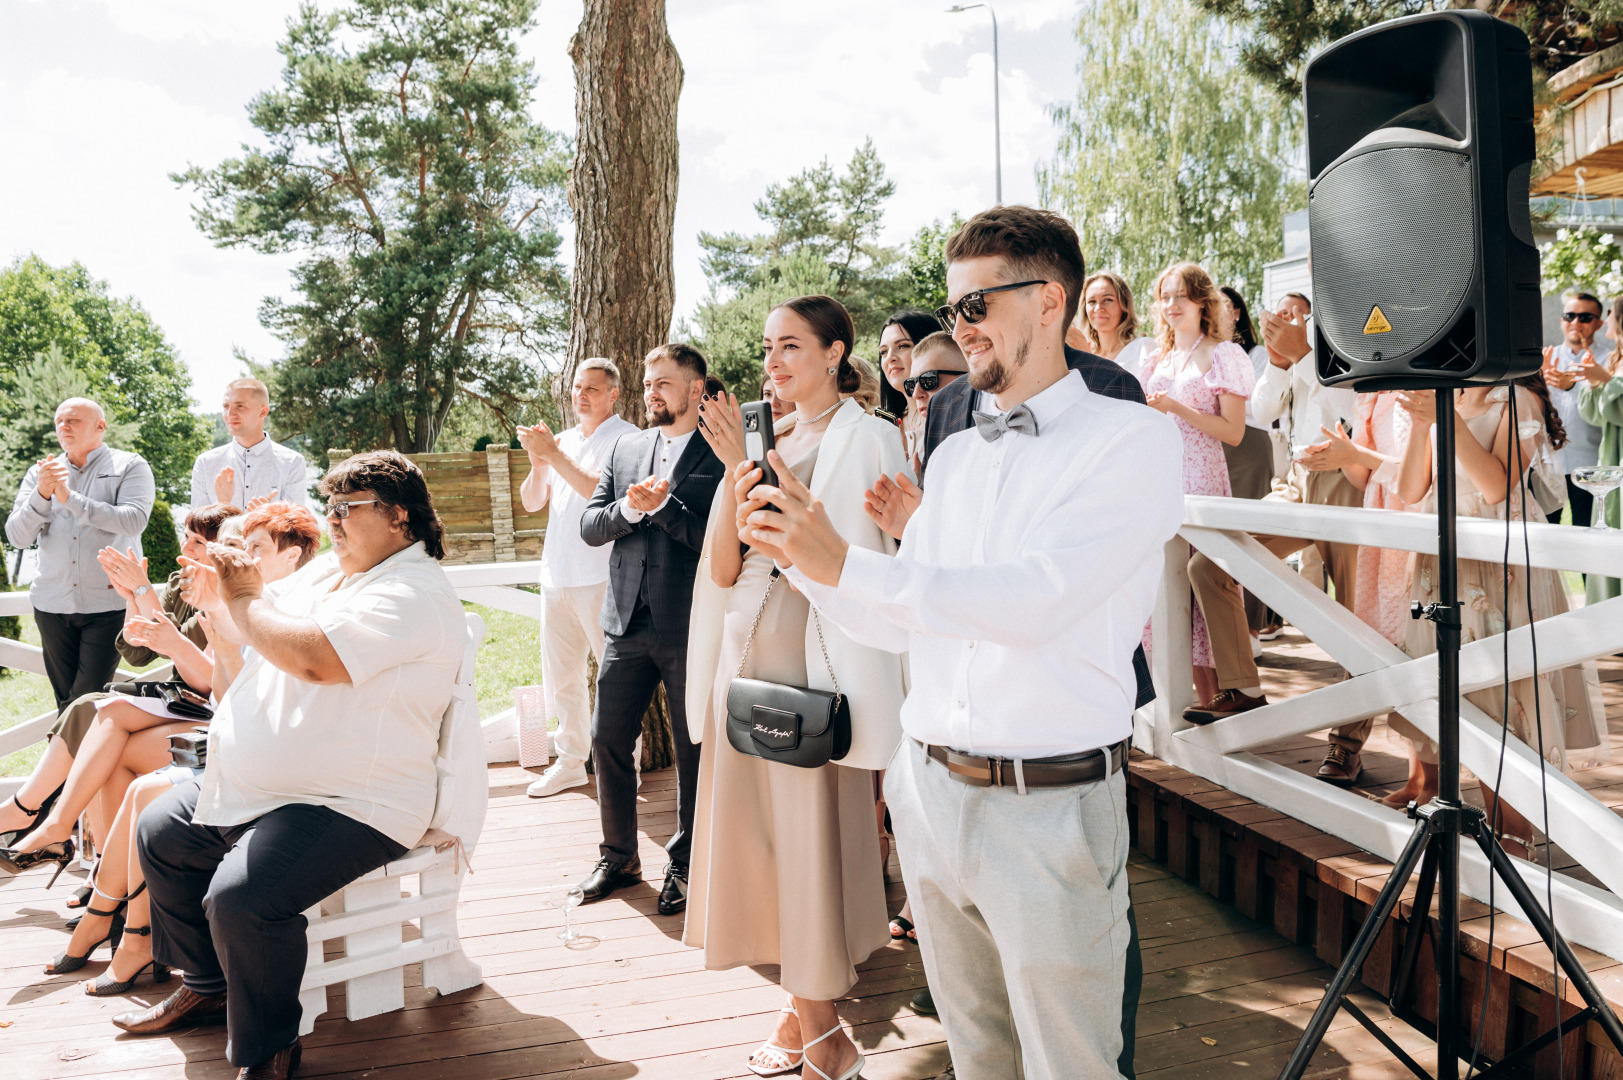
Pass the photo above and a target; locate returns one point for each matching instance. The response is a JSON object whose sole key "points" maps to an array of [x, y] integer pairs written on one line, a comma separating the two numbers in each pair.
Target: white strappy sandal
{"points": [[777, 1060], [850, 1074]]}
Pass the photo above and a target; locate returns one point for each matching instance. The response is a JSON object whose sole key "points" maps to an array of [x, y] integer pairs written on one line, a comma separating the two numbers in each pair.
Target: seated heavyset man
{"points": [[320, 758]]}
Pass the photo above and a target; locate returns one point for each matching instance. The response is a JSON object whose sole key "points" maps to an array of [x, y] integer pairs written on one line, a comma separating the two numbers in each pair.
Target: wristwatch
{"points": [[142, 591]]}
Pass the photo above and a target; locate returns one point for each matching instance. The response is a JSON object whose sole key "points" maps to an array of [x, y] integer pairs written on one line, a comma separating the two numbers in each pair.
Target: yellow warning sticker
{"points": [[1377, 323]]}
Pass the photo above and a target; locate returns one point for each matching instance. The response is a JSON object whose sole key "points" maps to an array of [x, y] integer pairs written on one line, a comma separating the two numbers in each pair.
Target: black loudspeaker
{"points": [[1419, 158]]}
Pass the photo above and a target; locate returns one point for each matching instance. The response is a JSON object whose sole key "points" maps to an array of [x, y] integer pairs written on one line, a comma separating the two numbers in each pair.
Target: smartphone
{"points": [[758, 438]]}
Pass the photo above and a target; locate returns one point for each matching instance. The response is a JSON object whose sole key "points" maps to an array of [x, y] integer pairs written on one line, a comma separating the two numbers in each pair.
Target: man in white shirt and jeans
{"points": [[1008, 785], [252, 465], [1581, 343], [564, 471]]}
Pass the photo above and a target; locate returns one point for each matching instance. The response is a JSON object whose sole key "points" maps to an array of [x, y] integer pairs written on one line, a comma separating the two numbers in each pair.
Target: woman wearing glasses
{"points": [[1106, 324], [786, 866], [1202, 379]]}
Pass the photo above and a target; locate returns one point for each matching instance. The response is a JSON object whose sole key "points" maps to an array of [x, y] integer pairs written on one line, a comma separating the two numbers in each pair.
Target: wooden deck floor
{"points": [[1223, 997]]}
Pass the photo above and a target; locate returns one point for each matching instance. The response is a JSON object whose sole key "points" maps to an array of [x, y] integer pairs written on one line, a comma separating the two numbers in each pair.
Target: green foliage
{"points": [[822, 237], [118, 358], [1583, 259], [1281, 34], [160, 543], [1171, 152], [401, 160]]}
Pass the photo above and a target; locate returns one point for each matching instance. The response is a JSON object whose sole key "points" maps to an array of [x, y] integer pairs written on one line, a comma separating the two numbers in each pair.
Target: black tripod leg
{"points": [[1361, 946], [1529, 903], [1402, 977]]}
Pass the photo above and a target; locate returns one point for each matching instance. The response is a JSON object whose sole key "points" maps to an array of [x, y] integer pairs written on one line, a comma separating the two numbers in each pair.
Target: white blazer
{"points": [[855, 450]]}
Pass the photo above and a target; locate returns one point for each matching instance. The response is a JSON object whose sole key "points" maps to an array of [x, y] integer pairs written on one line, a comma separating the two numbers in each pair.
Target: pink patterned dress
{"points": [[1205, 469], [1382, 595]]}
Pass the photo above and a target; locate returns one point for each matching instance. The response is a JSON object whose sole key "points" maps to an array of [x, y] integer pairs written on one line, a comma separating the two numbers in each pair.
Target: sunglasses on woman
{"points": [[930, 380], [1583, 317], [972, 306]]}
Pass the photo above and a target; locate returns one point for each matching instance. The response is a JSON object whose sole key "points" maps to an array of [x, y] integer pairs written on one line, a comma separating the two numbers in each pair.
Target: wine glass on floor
{"points": [[1599, 481], [566, 898]]}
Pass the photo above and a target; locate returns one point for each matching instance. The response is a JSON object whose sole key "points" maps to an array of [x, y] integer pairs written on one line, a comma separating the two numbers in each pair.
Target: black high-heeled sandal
{"points": [[61, 853], [35, 816], [104, 985], [66, 961]]}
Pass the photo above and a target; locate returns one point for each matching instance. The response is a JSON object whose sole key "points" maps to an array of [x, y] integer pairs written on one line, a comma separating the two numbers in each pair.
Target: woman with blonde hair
{"points": [[786, 865], [1200, 378], [1106, 323]]}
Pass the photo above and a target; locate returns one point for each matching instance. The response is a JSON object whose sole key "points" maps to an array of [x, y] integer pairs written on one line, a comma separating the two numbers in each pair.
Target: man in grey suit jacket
{"points": [[651, 503]]}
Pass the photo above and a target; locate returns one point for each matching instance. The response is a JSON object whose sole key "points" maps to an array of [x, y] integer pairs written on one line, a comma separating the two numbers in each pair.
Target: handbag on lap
{"points": [[793, 725]]}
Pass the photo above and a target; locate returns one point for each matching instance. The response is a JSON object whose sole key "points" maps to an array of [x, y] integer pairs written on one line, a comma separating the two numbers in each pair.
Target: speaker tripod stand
{"points": [[1435, 847]]}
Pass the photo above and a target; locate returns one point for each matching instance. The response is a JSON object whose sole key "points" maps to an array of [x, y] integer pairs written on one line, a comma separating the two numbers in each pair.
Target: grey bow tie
{"points": [[993, 426]]}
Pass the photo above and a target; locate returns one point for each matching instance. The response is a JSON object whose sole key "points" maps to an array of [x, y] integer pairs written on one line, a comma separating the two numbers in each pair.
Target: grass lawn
{"points": [[510, 656]]}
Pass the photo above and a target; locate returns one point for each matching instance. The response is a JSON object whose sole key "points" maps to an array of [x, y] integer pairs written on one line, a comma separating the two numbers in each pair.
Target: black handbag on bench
{"points": [[793, 725]]}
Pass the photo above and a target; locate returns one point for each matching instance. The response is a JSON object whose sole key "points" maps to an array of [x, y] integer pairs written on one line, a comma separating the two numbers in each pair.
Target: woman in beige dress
{"points": [[786, 860]]}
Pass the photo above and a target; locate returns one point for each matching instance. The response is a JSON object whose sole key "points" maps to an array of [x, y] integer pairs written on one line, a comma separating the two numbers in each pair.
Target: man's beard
{"points": [[996, 377], [661, 416]]}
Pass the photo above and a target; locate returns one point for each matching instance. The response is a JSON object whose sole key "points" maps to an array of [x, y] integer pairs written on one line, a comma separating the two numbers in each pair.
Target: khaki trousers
{"points": [[570, 632], [1223, 608], [1022, 907]]}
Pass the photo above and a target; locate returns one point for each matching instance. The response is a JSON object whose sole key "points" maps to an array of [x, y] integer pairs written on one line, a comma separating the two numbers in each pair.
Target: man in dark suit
{"points": [[651, 504]]}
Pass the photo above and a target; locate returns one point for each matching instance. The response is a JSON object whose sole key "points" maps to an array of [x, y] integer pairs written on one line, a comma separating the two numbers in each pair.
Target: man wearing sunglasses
{"points": [[1563, 366]]}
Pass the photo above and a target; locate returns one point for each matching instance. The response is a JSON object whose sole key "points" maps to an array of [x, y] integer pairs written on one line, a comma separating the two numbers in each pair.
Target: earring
{"points": [[832, 370]]}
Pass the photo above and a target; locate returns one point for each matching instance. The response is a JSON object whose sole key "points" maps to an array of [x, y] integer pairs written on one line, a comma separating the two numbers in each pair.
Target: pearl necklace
{"points": [[819, 416]]}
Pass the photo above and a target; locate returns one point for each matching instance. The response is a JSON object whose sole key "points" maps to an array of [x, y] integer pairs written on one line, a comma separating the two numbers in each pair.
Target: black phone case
{"points": [[760, 413]]}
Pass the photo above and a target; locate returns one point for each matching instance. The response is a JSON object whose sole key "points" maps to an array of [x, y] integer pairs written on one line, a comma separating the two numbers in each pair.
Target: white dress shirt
{"points": [[566, 560], [1583, 438], [364, 747], [1295, 398], [665, 459], [260, 469], [1025, 578]]}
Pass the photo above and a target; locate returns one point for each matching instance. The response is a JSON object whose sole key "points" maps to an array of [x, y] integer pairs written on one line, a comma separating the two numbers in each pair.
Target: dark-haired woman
{"points": [[786, 860], [142, 600], [901, 332], [1251, 463]]}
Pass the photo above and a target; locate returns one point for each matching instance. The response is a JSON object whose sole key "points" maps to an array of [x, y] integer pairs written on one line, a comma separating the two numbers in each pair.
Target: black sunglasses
{"points": [[1585, 317], [972, 306], [930, 380]]}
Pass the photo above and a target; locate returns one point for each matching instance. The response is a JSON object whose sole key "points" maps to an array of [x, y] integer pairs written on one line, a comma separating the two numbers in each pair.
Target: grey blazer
{"points": [[655, 559]]}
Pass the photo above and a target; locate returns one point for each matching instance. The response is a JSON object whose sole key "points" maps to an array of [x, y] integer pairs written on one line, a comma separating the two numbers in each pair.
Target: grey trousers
{"points": [[228, 904], [1022, 905]]}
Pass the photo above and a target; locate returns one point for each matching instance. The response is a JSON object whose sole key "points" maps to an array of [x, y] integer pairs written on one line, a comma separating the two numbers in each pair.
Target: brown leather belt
{"points": [[1086, 768]]}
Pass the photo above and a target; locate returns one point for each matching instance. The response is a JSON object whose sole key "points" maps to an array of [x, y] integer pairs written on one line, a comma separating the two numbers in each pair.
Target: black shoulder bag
{"points": [[793, 725]]}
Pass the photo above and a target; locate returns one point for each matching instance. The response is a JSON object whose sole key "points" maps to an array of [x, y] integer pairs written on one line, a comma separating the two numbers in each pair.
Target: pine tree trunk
{"points": [[623, 193], [623, 188]]}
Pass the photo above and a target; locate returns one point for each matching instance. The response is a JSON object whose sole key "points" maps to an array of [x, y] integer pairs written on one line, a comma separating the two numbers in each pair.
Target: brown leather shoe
{"points": [[280, 1066], [1227, 703], [1341, 766], [183, 1008]]}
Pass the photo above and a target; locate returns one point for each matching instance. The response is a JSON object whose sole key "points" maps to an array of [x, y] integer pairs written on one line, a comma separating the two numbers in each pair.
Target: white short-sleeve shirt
{"points": [[366, 749], [568, 561]]}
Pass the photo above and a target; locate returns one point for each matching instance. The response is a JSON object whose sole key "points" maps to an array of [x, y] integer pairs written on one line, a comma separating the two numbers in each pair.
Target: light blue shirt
{"points": [[109, 501]]}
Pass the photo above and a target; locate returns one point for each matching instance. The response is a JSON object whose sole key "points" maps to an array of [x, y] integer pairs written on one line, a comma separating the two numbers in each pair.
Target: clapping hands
{"points": [[721, 422], [53, 478], [538, 441], [891, 503], [648, 495], [159, 633], [125, 572]]}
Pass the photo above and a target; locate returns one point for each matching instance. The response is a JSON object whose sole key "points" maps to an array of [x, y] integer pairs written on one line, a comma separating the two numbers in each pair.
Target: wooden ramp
{"points": [[1223, 996]]}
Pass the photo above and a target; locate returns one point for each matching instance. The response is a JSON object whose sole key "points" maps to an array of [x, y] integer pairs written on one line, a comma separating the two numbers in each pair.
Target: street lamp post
{"points": [[997, 120]]}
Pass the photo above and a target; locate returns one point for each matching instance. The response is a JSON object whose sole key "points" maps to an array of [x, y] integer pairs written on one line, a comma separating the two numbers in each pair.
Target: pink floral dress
{"points": [[1205, 469], [1381, 596]]}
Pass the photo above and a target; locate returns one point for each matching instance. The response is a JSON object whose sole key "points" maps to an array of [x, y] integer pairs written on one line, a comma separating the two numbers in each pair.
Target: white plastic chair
{"points": [[368, 915]]}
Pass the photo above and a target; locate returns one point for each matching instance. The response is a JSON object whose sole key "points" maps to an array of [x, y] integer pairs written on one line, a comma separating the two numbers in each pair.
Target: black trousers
{"points": [[634, 664], [80, 657], [228, 904]]}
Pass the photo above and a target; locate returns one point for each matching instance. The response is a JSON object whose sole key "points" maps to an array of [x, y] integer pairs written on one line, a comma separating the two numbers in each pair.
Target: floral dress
{"points": [[1381, 593], [1205, 469], [1567, 703]]}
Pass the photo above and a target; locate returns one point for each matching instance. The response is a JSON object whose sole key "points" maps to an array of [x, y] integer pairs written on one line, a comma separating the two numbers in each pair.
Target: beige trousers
{"points": [[570, 632], [1021, 902], [1223, 607]]}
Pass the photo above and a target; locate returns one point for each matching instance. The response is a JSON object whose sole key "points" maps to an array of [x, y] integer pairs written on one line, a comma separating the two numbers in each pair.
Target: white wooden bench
{"points": [[369, 917]]}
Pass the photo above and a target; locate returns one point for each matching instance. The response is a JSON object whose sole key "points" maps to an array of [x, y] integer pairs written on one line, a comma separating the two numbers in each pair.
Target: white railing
{"points": [[1382, 677]]}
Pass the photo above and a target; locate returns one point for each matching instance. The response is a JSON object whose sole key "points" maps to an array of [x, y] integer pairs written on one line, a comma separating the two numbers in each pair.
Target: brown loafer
{"points": [[280, 1066], [1341, 766], [183, 1008], [1227, 703]]}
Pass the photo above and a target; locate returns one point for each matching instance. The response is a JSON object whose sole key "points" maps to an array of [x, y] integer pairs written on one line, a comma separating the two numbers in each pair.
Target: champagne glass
{"points": [[566, 898], [1599, 481]]}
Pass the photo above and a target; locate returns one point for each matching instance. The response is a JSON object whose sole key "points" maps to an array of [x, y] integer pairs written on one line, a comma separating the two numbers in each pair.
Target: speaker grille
{"points": [[1394, 229]]}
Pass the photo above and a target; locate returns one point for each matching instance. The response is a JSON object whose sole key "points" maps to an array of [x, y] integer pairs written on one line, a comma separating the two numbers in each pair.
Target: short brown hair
{"points": [[288, 524], [396, 481], [941, 340], [830, 321], [1036, 245], [687, 358], [205, 521]]}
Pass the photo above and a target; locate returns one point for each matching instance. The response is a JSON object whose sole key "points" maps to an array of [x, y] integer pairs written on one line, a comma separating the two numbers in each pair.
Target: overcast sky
{"points": [[104, 98]]}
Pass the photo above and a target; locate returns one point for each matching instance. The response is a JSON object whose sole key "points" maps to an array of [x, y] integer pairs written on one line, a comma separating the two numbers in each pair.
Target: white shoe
{"points": [[1256, 648], [557, 779]]}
